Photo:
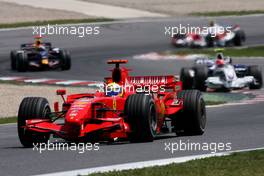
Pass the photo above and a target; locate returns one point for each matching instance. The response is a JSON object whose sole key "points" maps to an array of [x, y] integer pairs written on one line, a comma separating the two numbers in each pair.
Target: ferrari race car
{"points": [[39, 56], [220, 75], [210, 38], [122, 111]]}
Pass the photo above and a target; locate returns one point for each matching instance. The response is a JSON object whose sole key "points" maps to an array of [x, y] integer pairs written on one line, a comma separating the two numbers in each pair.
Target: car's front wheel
{"points": [[201, 74], [186, 78], [32, 108], [22, 62], [255, 71]]}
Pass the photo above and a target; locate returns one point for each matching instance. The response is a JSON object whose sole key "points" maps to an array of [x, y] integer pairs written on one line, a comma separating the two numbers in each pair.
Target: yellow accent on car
{"points": [[114, 104], [45, 61]]}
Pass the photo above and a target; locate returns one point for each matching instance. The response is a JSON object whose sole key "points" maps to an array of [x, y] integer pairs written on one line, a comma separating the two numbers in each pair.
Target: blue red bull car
{"points": [[39, 56]]}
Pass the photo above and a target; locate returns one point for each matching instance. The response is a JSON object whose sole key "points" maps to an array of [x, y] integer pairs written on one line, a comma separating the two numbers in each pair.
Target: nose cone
{"points": [[79, 111]]}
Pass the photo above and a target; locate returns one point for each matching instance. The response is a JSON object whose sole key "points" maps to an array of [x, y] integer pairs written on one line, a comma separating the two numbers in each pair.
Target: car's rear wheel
{"points": [[141, 114], [177, 37], [255, 71], [32, 108], [65, 60], [209, 41], [239, 38], [191, 120], [22, 62], [201, 74], [13, 58], [186, 78]]}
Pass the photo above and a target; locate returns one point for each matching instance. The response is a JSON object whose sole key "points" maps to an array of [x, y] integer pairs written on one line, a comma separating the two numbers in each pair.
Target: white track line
{"points": [[10, 78], [37, 80], [155, 56], [69, 82], [138, 165], [8, 124], [53, 81]]}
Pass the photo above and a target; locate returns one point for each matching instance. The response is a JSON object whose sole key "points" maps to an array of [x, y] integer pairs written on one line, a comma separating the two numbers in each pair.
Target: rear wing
{"points": [[31, 45], [117, 62], [168, 81], [120, 76]]}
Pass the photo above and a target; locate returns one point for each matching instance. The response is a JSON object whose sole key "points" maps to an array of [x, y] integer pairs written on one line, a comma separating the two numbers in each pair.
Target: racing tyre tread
{"points": [[138, 108], [187, 80], [13, 58], [239, 38], [65, 60], [32, 108], [201, 74], [191, 120], [255, 71], [22, 62]]}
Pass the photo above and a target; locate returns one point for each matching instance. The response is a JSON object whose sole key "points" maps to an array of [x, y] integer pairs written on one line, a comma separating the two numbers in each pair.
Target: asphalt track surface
{"points": [[240, 125], [119, 40]]}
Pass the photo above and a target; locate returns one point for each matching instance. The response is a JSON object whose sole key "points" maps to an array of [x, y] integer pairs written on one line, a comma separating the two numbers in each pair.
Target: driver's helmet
{"points": [[220, 62], [114, 89], [219, 56], [211, 23], [38, 42]]}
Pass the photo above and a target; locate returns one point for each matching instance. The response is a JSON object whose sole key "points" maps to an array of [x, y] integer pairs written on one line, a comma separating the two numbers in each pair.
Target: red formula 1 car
{"points": [[134, 108]]}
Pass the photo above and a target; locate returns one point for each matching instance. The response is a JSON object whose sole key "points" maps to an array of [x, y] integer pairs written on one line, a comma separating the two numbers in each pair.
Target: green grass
{"points": [[228, 13], [216, 98], [8, 120], [53, 22], [208, 103], [237, 164], [256, 51]]}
